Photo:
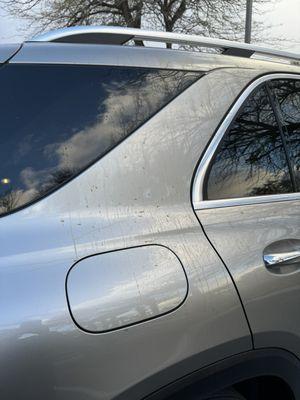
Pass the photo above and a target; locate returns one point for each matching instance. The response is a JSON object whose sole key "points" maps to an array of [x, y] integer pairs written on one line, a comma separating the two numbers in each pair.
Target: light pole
{"points": [[248, 21]]}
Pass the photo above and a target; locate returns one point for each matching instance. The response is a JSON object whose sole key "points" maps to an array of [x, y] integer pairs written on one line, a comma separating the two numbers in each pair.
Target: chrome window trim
{"points": [[202, 169], [243, 201]]}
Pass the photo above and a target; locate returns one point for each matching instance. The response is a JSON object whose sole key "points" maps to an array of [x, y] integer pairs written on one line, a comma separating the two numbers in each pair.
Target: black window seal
{"points": [[278, 118], [284, 128]]}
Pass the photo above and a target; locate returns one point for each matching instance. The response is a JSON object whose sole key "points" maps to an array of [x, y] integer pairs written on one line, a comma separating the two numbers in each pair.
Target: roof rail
{"points": [[120, 35]]}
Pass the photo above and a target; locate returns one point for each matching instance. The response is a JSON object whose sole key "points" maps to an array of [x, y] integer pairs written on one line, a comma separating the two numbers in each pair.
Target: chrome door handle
{"points": [[282, 257], [291, 257]]}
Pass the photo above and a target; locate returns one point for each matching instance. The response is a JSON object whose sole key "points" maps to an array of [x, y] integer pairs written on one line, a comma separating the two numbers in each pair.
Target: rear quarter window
{"points": [[57, 120]]}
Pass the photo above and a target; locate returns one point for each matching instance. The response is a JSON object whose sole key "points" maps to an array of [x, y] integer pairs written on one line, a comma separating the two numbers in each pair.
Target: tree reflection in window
{"points": [[57, 119], [250, 160], [287, 92]]}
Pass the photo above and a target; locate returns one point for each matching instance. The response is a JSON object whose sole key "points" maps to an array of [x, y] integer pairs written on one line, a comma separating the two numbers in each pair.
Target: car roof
{"points": [[7, 51], [151, 57], [106, 45]]}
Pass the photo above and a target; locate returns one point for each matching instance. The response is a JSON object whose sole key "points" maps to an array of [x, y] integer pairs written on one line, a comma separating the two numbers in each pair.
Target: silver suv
{"points": [[150, 230]]}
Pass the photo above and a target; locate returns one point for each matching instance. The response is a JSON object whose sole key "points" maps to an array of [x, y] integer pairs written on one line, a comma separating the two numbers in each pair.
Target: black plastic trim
{"points": [[272, 99], [232, 370]]}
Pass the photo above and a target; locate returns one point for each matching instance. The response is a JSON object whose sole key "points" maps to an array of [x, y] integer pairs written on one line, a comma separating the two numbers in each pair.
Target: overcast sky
{"points": [[284, 16]]}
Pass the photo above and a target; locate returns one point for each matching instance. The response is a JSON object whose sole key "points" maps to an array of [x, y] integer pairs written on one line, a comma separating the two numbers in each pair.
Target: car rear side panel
{"points": [[138, 194]]}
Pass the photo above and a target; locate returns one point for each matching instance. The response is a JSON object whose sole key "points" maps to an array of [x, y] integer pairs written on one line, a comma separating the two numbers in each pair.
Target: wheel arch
{"points": [[272, 362]]}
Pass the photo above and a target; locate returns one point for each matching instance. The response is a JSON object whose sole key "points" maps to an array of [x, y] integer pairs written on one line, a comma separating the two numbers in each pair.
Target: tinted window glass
{"points": [[288, 98], [56, 120], [250, 160]]}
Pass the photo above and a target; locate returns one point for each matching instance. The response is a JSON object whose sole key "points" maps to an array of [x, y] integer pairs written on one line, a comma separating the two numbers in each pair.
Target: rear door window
{"points": [[58, 119], [251, 159]]}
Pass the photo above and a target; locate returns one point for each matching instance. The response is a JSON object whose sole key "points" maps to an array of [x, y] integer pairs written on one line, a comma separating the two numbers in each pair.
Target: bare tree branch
{"points": [[216, 18]]}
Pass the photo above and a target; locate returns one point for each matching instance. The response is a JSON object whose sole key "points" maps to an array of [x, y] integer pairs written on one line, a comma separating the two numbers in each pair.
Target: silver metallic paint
{"points": [[241, 234], [138, 194], [123, 287], [242, 231], [92, 54], [7, 51]]}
